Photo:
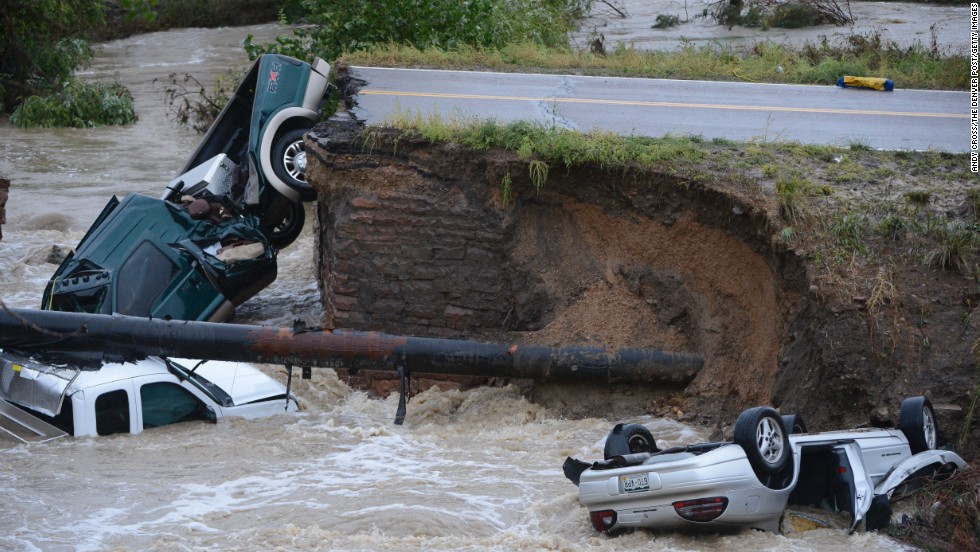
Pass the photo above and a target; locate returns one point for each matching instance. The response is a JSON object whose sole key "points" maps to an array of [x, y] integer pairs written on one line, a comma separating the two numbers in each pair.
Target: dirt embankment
{"points": [[416, 238]]}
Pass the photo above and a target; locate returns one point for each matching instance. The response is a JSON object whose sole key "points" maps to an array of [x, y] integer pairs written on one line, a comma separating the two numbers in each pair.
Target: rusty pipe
{"points": [[133, 337]]}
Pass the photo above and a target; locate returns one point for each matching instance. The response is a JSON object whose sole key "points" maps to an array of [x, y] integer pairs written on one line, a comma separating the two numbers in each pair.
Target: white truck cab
{"points": [[41, 400]]}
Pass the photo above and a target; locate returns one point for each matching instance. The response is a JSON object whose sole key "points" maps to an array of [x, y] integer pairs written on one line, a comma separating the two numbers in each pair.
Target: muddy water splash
{"points": [[477, 470]]}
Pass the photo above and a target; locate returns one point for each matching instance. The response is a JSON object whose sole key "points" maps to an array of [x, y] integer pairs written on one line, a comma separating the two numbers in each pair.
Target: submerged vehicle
{"points": [[44, 399], [210, 242], [772, 463]]}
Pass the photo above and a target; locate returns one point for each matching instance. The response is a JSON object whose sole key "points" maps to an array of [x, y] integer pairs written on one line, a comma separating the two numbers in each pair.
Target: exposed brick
{"points": [[344, 302], [365, 203]]}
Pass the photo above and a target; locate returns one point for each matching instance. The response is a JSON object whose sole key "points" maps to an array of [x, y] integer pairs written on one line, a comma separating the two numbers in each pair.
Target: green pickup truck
{"points": [[210, 242]]}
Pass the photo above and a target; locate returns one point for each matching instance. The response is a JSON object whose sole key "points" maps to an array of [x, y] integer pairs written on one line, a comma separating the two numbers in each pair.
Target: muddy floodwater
{"points": [[479, 470]]}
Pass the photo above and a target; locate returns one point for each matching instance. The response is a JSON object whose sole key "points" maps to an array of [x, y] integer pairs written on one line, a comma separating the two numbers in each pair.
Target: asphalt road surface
{"points": [[897, 120]]}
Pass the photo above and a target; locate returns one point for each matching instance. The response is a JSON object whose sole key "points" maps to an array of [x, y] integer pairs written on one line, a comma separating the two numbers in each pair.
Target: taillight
{"points": [[702, 509], [603, 520]]}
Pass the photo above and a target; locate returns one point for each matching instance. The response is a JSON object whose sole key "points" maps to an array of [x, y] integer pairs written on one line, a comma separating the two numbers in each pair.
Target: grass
{"points": [[793, 205], [821, 62], [973, 200], [954, 241], [850, 229], [541, 144]]}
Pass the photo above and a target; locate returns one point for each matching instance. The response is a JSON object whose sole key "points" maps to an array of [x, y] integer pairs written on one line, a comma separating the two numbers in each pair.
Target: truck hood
{"points": [[243, 382]]}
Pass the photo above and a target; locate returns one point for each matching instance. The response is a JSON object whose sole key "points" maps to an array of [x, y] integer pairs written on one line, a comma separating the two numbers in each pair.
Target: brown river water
{"points": [[479, 470]]}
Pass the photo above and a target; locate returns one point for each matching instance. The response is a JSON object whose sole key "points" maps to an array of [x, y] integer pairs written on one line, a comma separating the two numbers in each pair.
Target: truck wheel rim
{"points": [[294, 159], [929, 427], [769, 439]]}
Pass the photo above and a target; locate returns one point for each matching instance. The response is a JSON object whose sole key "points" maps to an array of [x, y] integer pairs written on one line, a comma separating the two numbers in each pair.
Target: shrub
{"points": [[665, 21], [339, 27], [78, 104], [189, 103], [793, 16]]}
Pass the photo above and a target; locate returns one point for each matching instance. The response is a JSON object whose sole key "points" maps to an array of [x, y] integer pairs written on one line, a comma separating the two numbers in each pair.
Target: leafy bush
{"points": [[42, 42], [665, 21], [78, 104], [793, 16], [339, 27]]}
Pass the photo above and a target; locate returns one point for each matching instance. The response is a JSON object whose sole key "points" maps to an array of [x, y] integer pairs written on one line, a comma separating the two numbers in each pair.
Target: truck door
{"points": [[164, 403], [851, 488]]}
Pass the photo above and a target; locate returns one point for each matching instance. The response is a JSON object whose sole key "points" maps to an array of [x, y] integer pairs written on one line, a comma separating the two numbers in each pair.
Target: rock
{"points": [[57, 254]]}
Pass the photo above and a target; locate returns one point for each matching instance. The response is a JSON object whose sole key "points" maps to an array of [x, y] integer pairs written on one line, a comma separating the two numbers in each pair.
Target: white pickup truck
{"points": [[41, 400]]}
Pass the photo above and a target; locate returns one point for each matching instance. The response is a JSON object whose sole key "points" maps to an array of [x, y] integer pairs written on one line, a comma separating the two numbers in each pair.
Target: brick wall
{"points": [[414, 263]]}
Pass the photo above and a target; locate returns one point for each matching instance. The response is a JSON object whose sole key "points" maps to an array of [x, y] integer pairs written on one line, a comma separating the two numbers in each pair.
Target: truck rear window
{"points": [[112, 413], [142, 278]]}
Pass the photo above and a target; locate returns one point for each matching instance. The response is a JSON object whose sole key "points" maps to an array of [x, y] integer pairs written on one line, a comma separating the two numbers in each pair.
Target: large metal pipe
{"points": [[119, 335]]}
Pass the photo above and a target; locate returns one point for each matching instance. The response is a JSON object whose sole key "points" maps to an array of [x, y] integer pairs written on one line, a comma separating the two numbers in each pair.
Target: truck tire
{"points": [[629, 439], [289, 162], [917, 420], [761, 434]]}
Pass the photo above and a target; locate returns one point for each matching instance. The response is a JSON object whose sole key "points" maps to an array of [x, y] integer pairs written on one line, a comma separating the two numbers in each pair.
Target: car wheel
{"points": [[760, 432], [629, 439], [289, 227], [289, 162], [793, 423], [917, 420]]}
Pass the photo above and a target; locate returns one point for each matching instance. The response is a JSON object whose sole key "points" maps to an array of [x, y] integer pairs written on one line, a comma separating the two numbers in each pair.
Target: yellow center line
{"points": [[668, 104]]}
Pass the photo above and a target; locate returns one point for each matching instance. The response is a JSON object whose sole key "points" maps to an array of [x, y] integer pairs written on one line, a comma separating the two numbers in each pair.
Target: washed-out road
{"points": [[896, 120]]}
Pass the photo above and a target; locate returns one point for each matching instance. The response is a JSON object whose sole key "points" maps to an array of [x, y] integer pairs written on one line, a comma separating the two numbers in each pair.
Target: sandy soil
{"points": [[901, 22]]}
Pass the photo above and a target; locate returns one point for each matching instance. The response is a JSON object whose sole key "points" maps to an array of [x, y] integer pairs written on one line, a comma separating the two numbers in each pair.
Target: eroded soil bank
{"points": [[426, 239]]}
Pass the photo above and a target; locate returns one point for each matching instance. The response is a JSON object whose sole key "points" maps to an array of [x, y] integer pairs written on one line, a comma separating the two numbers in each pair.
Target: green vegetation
{"points": [[191, 104], [790, 192], [955, 240], [666, 21], [821, 62], [539, 143], [337, 27], [42, 44], [78, 104]]}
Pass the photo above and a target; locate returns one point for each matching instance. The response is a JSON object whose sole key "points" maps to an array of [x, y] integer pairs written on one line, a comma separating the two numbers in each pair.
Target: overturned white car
{"points": [[44, 399], [772, 463]]}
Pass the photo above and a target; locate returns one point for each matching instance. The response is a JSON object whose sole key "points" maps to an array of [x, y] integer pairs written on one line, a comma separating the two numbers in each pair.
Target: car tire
{"points": [[917, 420], [760, 433], [793, 423], [289, 162], [629, 439], [285, 232]]}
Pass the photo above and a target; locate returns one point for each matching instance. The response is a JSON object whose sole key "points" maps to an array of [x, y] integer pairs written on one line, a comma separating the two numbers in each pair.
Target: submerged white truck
{"points": [[42, 400]]}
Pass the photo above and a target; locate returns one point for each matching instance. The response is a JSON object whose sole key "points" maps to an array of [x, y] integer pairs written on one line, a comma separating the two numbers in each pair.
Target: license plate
{"points": [[635, 483]]}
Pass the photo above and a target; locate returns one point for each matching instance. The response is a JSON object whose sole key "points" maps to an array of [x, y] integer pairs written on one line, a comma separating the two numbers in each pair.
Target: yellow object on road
{"points": [[874, 83]]}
